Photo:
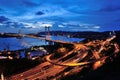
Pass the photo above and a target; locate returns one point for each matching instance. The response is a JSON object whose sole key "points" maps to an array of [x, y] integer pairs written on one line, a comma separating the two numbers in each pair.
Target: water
{"points": [[10, 43], [23, 43], [66, 39], [16, 44]]}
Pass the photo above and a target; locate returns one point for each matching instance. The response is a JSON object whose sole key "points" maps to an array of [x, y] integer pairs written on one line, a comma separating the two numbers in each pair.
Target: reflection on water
{"points": [[15, 43], [66, 39]]}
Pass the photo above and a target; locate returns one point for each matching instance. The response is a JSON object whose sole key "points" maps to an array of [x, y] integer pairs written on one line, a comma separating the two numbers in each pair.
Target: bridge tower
{"points": [[112, 33], [47, 32]]}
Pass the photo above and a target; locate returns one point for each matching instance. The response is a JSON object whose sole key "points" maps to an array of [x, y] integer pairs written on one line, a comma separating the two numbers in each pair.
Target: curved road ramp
{"points": [[95, 53]]}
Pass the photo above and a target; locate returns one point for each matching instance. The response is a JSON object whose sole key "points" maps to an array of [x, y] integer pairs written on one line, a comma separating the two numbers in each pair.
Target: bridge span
{"points": [[41, 38]]}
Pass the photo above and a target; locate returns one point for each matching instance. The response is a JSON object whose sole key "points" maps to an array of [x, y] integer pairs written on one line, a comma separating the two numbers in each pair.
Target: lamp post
{"points": [[2, 76], [1, 72]]}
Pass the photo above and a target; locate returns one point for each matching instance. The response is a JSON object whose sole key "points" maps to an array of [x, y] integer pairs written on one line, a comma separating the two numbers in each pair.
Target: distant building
{"points": [[0, 52], [29, 55], [17, 54]]}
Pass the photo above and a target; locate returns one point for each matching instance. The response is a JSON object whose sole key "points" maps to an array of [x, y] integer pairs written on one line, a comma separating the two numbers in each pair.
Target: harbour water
{"points": [[25, 42], [14, 44]]}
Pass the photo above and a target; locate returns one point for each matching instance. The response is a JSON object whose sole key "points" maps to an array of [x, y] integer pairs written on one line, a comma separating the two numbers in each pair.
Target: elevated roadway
{"points": [[52, 68]]}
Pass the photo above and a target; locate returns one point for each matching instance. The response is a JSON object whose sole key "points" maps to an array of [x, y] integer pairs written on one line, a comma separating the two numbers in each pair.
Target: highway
{"points": [[41, 38], [54, 68], [46, 69]]}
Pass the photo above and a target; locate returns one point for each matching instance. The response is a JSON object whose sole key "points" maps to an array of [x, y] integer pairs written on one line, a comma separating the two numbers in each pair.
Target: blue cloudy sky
{"points": [[68, 15]]}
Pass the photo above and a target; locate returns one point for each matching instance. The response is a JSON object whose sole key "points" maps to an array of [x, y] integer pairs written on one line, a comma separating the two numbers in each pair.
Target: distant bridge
{"points": [[41, 38]]}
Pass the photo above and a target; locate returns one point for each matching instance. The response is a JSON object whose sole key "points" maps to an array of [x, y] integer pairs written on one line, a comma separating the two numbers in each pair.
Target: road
{"points": [[53, 68], [47, 69], [41, 38]]}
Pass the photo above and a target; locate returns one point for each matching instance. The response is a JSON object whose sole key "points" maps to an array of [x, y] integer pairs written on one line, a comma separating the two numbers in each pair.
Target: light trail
{"points": [[58, 66]]}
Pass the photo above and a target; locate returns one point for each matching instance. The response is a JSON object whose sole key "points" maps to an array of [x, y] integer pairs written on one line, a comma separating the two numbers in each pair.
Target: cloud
{"points": [[62, 14], [96, 27], [30, 3], [110, 8], [61, 26], [46, 25], [117, 20], [1, 9], [77, 26], [39, 13], [3, 18], [36, 25]]}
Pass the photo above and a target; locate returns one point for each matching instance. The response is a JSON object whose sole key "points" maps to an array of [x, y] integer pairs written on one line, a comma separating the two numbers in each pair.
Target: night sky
{"points": [[67, 15]]}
